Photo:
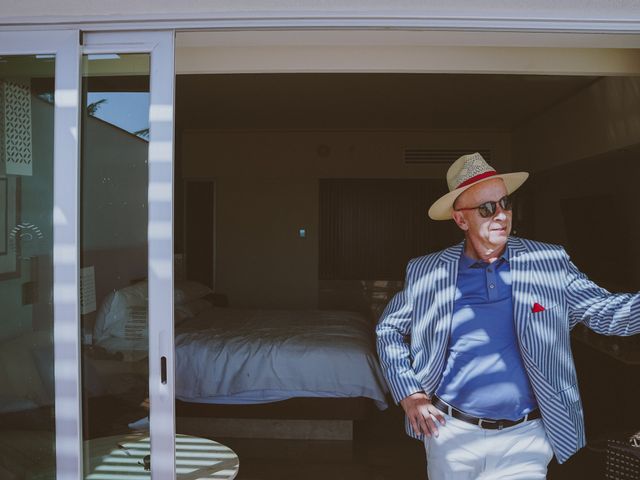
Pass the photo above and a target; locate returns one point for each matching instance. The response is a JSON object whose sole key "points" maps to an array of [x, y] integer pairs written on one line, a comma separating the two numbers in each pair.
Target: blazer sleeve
{"points": [[603, 312], [393, 331]]}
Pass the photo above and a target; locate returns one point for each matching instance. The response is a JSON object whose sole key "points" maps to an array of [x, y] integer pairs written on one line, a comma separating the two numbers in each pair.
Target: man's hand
{"points": [[421, 412]]}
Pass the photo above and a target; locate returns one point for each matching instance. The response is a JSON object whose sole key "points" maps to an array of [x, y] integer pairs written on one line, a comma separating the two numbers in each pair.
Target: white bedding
{"points": [[236, 356]]}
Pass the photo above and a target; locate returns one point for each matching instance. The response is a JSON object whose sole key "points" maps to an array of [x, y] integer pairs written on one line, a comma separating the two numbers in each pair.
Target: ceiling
{"points": [[364, 101]]}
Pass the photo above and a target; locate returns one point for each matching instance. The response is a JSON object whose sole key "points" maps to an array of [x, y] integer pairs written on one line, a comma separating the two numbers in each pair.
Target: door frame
{"points": [[103, 35], [65, 45], [68, 46], [159, 45]]}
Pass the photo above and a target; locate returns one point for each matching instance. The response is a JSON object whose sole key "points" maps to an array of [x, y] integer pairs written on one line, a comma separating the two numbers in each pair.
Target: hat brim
{"points": [[442, 209]]}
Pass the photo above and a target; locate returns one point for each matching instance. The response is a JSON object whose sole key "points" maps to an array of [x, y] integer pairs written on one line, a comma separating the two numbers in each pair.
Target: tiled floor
{"points": [[380, 451]]}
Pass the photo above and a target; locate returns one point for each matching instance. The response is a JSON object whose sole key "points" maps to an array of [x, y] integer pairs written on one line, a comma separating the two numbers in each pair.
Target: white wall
{"points": [[114, 207], [601, 118], [115, 173], [585, 146], [36, 205], [518, 9], [267, 188], [261, 262], [417, 50], [351, 153]]}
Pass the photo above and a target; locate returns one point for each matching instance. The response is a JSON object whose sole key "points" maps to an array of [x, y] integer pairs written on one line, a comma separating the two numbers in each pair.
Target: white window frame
{"points": [[114, 34], [65, 46], [159, 45]]}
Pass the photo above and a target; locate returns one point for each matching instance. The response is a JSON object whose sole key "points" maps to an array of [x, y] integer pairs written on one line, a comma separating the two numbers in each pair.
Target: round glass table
{"points": [[128, 456]]}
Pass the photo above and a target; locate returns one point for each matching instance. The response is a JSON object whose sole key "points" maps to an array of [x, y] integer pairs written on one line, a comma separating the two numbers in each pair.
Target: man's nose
{"points": [[501, 213]]}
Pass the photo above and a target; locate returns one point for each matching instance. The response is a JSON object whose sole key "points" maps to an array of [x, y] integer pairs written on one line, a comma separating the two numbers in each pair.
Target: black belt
{"points": [[481, 422]]}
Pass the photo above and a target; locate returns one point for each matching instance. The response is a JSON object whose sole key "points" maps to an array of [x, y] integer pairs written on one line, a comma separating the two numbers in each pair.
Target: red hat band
{"points": [[479, 177]]}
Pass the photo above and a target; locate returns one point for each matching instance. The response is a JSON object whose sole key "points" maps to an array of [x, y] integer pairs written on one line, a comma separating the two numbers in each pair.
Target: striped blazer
{"points": [[414, 329]]}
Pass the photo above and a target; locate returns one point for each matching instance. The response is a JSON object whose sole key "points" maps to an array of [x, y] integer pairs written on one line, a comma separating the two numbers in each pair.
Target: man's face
{"points": [[491, 231]]}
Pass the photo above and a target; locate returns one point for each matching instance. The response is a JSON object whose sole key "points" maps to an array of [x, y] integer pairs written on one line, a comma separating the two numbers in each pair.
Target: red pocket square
{"points": [[537, 308]]}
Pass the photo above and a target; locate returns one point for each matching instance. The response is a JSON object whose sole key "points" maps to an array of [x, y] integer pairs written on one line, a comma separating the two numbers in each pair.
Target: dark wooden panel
{"points": [[370, 228]]}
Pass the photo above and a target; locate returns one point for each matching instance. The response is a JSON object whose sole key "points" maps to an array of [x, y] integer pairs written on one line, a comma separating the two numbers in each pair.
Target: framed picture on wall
{"points": [[9, 219]]}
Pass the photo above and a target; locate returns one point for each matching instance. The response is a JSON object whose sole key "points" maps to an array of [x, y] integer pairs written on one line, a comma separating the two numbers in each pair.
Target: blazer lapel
{"points": [[519, 265], [446, 288]]}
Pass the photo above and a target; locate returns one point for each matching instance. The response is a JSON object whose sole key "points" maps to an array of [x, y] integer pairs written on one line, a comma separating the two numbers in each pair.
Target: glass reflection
{"points": [[115, 126], [27, 440]]}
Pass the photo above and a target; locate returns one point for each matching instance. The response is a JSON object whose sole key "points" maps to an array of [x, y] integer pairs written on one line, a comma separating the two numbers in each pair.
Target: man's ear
{"points": [[458, 217]]}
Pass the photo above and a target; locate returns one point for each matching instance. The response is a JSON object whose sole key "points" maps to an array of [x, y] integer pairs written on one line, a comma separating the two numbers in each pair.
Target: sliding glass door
{"points": [[39, 409], [74, 231], [126, 255]]}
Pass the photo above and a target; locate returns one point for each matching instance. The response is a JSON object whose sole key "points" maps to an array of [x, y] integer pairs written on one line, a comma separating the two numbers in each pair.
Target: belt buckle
{"points": [[481, 420]]}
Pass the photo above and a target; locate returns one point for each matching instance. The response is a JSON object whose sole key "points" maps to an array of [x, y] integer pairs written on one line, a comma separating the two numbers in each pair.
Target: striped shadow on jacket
{"points": [[413, 331]]}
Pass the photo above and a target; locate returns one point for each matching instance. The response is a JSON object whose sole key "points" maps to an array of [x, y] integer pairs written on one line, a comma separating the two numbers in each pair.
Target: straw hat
{"points": [[465, 172]]}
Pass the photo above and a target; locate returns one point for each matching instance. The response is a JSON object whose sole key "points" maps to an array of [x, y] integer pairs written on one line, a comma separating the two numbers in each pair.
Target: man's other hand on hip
{"points": [[421, 414]]}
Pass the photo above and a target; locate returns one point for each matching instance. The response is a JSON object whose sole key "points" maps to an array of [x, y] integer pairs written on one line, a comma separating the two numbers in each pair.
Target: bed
{"points": [[228, 356], [242, 356]]}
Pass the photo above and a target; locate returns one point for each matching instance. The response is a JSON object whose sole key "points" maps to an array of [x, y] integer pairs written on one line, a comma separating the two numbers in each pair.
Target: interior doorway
{"points": [[337, 156]]}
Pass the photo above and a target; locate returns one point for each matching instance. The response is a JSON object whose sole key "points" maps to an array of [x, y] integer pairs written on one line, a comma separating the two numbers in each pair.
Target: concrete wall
{"points": [[267, 188]]}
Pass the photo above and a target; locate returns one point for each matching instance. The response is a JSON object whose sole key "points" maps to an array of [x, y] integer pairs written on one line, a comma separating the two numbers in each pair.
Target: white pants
{"points": [[462, 451]]}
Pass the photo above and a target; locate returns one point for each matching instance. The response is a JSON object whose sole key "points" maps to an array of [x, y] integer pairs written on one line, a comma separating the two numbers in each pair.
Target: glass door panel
{"points": [[44, 316], [27, 397], [114, 250], [127, 255]]}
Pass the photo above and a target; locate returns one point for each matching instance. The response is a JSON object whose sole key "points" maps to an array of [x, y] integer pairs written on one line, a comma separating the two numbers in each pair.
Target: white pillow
{"points": [[191, 309], [99, 328], [124, 312], [123, 303], [187, 291]]}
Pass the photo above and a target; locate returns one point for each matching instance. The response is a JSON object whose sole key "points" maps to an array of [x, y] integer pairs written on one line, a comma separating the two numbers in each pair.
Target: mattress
{"points": [[241, 356]]}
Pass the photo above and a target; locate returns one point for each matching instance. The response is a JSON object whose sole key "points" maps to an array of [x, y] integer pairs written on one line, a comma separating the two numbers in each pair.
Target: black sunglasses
{"points": [[488, 209]]}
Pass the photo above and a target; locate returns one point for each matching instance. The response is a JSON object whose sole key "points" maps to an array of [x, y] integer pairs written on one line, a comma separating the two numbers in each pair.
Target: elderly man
{"points": [[476, 347]]}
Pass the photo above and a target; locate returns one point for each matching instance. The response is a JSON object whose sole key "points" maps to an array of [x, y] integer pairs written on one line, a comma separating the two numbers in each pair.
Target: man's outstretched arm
{"points": [[603, 312]]}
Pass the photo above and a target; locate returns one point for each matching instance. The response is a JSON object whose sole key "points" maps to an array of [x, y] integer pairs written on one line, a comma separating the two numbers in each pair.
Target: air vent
{"points": [[430, 156]]}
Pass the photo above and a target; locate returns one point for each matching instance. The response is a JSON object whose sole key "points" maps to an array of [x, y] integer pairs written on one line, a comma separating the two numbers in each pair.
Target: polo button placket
{"points": [[491, 282]]}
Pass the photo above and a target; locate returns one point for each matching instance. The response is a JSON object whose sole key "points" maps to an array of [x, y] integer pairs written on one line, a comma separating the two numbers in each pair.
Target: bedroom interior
{"points": [[356, 132], [299, 199]]}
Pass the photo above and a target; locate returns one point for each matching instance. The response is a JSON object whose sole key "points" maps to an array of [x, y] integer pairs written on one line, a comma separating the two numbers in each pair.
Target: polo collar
{"points": [[468, 262]]}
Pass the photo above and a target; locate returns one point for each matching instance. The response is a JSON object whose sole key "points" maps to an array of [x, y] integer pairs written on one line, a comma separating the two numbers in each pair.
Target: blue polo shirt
{"points": [[484, 375]]}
